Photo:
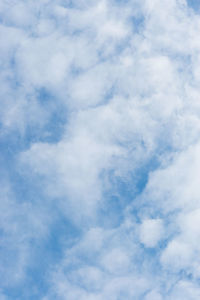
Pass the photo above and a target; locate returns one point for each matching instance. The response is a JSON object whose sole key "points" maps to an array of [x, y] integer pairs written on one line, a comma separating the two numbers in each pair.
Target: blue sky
{"points": [[99, 150]]}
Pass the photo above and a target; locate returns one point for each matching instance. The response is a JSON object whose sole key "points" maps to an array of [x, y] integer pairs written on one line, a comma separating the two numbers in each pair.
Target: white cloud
{"points": [[151, 232], [177, 256], [130, 90], [185, 290], [113, 274], [153, 295], [116, 261]]}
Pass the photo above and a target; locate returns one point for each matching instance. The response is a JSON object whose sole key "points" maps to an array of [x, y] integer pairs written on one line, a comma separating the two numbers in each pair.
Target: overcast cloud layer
{"points": [[100, 150]]}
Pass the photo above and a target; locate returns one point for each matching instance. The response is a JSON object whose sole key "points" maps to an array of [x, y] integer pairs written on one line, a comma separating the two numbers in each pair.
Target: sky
{"points": [[100, 150]]}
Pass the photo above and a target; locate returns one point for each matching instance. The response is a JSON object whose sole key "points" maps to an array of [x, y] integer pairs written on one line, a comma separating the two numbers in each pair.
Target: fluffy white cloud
{"points": [[151, 231], [126, 76]]}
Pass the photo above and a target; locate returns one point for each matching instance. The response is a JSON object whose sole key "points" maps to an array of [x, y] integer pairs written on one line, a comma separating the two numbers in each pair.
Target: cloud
{"points": [[151, 232], [100, 149], [19, 228]]}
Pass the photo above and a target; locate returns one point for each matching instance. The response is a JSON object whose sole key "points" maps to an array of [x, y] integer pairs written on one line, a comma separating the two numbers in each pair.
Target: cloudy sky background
{"points": [[100, 150]]}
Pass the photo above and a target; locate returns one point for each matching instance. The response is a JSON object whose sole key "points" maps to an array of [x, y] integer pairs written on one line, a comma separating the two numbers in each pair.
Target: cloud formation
{"points": [[100, 150]]}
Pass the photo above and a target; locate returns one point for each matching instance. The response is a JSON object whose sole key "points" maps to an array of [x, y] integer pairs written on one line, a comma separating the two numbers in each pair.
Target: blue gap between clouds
{"points": [[194, 4], [122, 192], [49, 250], [55, 126], [52, 250], [14, 143]]}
